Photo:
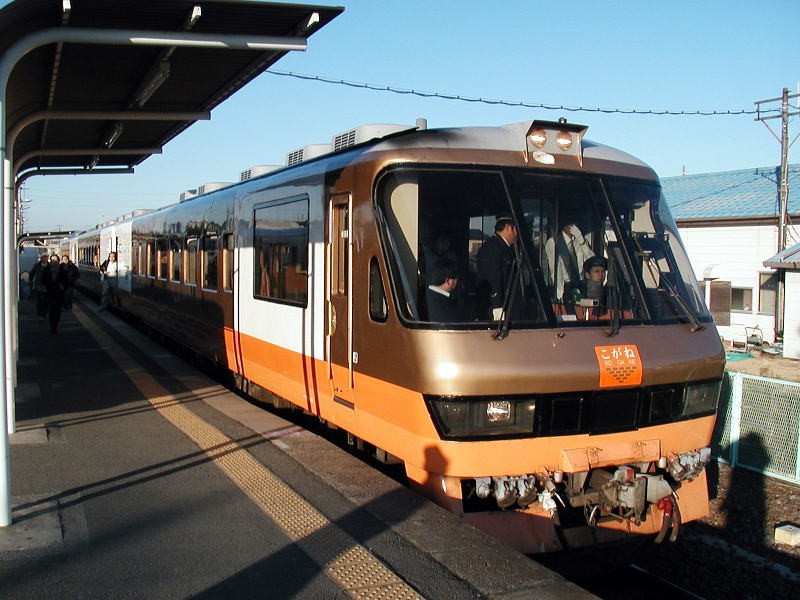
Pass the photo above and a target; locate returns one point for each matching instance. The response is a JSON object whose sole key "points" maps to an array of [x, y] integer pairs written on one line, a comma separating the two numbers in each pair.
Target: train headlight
{"points": [[700, 399], [564, 140], [499, 412], [538, 138], [477, 417]]}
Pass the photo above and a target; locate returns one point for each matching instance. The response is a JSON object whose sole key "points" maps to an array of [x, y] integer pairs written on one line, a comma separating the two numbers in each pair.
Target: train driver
{"points": [[594, 275]]}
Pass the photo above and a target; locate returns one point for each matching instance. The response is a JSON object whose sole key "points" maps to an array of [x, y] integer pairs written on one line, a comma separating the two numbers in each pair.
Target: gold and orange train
{"points": [[546, 406]]}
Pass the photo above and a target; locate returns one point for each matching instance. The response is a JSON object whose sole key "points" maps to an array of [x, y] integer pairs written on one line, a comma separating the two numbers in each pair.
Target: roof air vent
{"points": [[306, 153], [256, 171], [365, 133], [188, 195], [213, 186]]}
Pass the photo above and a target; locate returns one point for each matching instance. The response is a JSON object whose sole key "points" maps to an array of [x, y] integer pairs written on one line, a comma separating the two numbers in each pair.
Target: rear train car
{"points": [[572, 413]]}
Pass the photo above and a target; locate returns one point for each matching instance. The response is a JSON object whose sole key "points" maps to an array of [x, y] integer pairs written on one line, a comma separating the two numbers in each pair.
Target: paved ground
{"points": [[765, 365], [135, 476]]}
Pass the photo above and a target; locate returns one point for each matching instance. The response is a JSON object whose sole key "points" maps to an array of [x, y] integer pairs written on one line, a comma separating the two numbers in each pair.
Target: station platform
{"points": [[134, 475]]}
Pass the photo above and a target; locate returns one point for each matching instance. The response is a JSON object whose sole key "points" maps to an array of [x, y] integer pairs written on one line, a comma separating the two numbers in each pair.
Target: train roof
{"points": [[511, 137], [375, 138]]}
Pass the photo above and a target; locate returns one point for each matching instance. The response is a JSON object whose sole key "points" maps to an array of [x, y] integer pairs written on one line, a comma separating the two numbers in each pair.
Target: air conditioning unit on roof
{"points": [[365, 133], [306, 153], [256, 171], [188, 195], [212, 186]]}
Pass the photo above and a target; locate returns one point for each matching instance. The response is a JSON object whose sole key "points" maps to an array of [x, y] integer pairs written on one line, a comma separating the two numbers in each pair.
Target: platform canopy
{"points": [[91, 86], [134, 98]]}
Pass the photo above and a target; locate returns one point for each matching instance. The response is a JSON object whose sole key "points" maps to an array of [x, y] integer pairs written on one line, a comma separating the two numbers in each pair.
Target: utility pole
{"points": [[783, 115]]}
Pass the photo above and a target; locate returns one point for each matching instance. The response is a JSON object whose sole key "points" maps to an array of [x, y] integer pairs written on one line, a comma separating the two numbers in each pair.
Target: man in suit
{"points": [[442, 304], [496, 260]]}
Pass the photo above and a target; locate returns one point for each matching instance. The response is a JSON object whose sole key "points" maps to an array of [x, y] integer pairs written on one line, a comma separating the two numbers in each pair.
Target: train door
{"points": [[340, 299]]}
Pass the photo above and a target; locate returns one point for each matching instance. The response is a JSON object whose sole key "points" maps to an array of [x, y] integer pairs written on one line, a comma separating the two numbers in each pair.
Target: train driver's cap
{"points": [[595, 261], [504, 218]]}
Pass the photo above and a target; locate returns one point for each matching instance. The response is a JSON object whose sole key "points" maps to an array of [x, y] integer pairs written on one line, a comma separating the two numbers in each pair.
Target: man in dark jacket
{"points": [[55, 281], [72, 275], [37, 286], [496, 263], [442, 304]]}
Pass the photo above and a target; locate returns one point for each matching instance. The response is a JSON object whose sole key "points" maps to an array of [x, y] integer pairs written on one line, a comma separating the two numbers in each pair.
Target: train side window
{"points": [[209, 262], [163, 258], [135, 258], [377, 297], [176, 260], [190, 267], [280, 270], [227, 262], [151, 258]]}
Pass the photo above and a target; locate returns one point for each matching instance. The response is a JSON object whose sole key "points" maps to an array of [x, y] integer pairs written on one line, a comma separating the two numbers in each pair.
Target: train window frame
{"points": [[162, 259], [152, 260], [228, 252], [405, 258], [134, 258], [209, 262], [377, 302], [190, 261], [175, 260], [290, 259]]}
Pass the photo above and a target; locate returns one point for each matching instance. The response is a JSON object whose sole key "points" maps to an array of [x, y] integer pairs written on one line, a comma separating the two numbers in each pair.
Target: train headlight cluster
{"points": [[546, 139], [700, 398], [476, 417]]}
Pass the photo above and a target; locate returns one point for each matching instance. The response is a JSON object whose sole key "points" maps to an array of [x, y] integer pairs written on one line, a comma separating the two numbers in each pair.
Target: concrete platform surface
{"points": [[136, 476]]}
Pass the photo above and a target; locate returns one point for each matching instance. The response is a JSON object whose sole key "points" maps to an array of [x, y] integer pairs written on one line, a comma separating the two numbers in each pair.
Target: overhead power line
{"points": [[514, 103]]}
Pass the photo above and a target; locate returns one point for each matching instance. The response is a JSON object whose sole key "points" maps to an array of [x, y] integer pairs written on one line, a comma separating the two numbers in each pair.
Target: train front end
{"points": [[569, 385]]}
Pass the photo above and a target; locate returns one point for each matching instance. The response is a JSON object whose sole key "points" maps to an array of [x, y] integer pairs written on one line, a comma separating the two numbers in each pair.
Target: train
{"points": [[567, 415]]}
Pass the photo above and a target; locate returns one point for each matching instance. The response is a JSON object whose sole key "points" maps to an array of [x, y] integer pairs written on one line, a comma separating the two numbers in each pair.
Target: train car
{"points": [[550, 409]]}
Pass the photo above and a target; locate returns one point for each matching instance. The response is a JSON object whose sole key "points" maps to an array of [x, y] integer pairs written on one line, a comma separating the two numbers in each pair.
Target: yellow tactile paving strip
{"points": [[351, 566]]}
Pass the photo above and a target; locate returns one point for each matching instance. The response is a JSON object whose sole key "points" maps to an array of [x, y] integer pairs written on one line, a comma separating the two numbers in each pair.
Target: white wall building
{"points": [[729, 224]]}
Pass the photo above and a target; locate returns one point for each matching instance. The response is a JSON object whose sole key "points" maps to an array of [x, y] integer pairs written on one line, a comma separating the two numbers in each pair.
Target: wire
{"points": [[447, 96]]}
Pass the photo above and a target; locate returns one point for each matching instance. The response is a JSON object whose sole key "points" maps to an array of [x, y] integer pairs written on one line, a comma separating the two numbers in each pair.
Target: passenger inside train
{"points": [[562, 221]]}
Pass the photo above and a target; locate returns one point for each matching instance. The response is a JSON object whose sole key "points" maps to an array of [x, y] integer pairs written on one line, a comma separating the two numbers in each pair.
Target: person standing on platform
{"points": [[38, 287], [55, 282], [109, 271], [72, 275]]}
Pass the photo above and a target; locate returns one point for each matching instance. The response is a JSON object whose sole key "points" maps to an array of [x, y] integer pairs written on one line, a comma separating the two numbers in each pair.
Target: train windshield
{"points": [[508, 248]]}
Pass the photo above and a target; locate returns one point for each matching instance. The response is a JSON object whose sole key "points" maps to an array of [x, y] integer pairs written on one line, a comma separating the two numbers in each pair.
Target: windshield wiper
{"points": [[672, 294], [508, 302], [613, 297]]}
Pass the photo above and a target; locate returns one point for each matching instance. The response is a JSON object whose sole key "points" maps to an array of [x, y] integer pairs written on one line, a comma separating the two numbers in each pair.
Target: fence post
{"points": [[736, 416]]}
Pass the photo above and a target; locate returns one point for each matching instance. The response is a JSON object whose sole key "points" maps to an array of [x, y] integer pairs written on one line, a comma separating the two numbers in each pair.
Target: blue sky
{"points": [[643, 55]]}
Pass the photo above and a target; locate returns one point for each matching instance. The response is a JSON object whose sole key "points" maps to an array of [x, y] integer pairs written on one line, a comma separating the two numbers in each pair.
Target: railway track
{"points": [[634, 581]]}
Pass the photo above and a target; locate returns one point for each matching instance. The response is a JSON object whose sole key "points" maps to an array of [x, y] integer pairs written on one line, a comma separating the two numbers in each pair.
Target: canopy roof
{"points": [[109, 82]]}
